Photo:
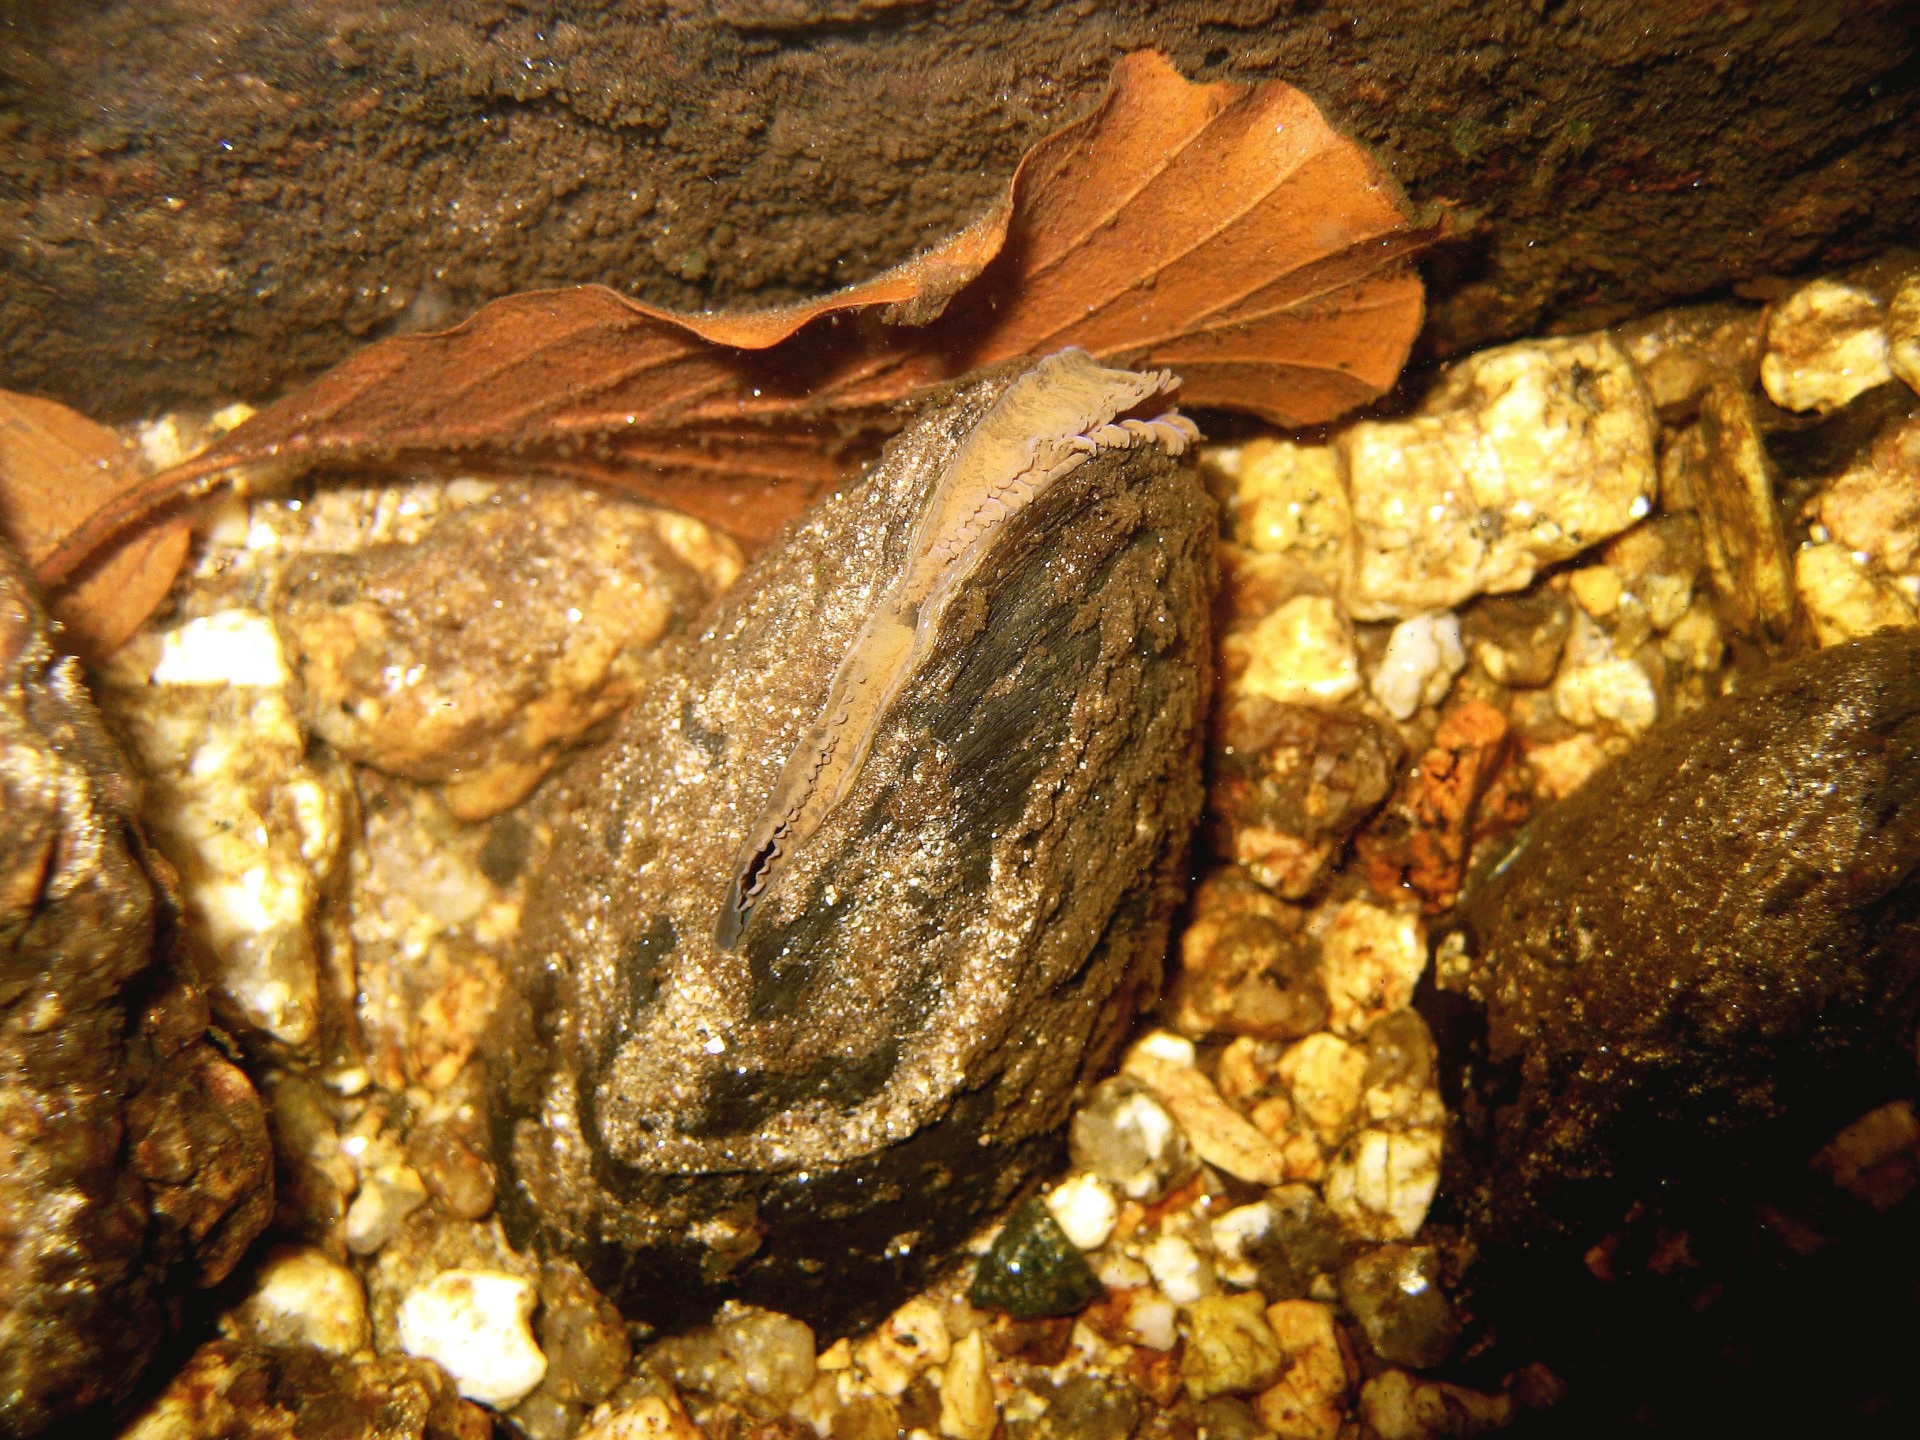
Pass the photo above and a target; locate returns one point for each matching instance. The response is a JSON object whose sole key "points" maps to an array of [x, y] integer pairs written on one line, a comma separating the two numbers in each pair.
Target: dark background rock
{"points": [[1684, 979], [134, 1159], [814, 1121], [214, 201], [1712, 946]]}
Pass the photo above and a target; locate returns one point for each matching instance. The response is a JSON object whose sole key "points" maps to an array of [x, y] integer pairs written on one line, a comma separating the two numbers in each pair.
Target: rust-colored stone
{"points": [[1424, 839]]}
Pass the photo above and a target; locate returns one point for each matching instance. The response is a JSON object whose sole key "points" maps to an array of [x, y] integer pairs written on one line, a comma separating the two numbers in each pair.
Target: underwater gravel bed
{"points": [[1430, 628]]}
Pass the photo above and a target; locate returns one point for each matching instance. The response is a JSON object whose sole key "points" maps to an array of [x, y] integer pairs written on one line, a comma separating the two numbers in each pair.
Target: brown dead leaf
{"points": [[1226, 232], [56, 469]]}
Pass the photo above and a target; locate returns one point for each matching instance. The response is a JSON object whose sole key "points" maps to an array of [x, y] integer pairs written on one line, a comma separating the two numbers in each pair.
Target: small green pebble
{"points": [[1033, 1270]]}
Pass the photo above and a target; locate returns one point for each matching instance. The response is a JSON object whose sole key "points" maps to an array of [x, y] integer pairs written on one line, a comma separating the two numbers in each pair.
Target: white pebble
{"points": [[230, 647], [473, 1325], [1177, 1269], [1232, 1234], [1233, 1230], [1384, 1180], [304, 1298], [1085, 1210], [1152, 1320], [1423, 656], [1119, 1271], [1165, 1045]]}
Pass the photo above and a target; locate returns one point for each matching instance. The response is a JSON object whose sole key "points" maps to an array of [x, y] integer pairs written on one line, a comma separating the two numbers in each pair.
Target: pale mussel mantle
{"points": [[960, 931]]}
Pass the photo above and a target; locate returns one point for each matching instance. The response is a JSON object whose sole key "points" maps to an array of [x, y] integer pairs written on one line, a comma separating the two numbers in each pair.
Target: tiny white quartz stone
{"points": [[473, 1325], [229, 647], [1152, 1320], [1423, 656], [1177, 1269], [1383, 1181], [1165, 1045], [1240, 1227], [1085, 1209], [305, 1298]]}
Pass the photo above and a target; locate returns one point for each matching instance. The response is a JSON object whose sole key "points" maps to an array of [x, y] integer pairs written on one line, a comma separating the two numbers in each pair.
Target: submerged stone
{"points": [[1394, 1292], [137, 1165], [1706, 959], [876, 872], [1033, 1269]]}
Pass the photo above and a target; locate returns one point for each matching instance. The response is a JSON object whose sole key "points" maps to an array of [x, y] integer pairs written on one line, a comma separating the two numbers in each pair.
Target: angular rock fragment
{"points": [[1523, 455], [1826, 343], [1230, 1347], [1286, 498], [1844, 598], [1219, 1134], [474, 655], [135, 1157], [1300, 653], [1681, 352], [1033, 1269], [1708, 957], [1903, 331], [1304, 1404], [1600, 688], [1873, 507], [1518, 638], [1246, 965], [1302, 1240], [1462, 790], [1290, 783], [1083, 1407], [1865, 574], [1718, 468], [800, 1066], [1396, 1406], [234, 1391], [1125, 1136], [255, 826], [1394, 1292]]}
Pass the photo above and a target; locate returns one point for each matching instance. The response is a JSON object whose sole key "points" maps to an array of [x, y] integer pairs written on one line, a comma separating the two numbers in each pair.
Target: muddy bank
{"points": [[215, 200]]}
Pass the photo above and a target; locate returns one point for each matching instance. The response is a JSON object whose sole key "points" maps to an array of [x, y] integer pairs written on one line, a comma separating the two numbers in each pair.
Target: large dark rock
{"points": [[208, 204], [1705, 961], [887, 1049], [133, 1157]]}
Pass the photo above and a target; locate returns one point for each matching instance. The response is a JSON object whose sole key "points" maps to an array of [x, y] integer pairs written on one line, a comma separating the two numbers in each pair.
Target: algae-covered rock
{"points": [[1032, 1269], [1707, 957]]}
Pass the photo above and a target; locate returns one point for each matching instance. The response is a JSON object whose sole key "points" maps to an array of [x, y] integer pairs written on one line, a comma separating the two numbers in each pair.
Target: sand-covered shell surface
{"points": [[879, 867]]}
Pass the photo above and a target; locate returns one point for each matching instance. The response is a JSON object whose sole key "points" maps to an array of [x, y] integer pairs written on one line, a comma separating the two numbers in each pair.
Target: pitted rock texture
{"points": [[233, 1391], [133, 1156], [516, 623], [1707, 958], [811, 1121]]}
